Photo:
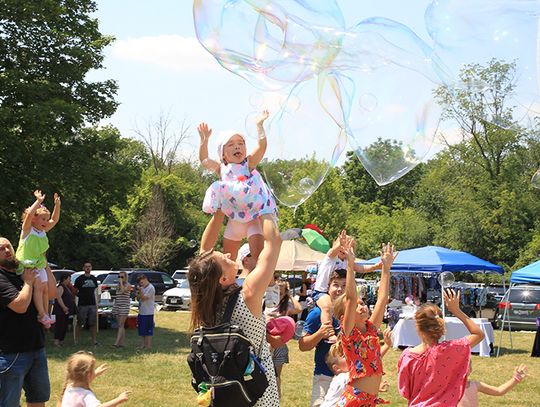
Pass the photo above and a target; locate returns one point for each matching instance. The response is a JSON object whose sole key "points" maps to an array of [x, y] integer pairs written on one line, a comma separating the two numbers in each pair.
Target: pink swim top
{"points": [[437, 377]]}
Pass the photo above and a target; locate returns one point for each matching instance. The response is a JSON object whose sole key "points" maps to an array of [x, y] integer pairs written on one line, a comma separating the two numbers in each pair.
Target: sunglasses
{"points": [[122, 277]]}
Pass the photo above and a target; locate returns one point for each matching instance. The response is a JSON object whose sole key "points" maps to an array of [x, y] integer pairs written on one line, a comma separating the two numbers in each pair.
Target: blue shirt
{"points": [[312, 325]]}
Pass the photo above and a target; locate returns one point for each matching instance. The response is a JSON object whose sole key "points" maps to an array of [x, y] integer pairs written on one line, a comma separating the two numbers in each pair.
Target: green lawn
{"points": [[162, 378]]}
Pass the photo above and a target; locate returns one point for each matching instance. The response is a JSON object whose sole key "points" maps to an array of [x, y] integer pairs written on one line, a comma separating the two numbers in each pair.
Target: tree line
{"points": [[130, 202]]}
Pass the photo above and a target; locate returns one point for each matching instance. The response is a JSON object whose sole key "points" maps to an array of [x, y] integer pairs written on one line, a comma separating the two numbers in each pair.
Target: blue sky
{"points": [[160, 66]]}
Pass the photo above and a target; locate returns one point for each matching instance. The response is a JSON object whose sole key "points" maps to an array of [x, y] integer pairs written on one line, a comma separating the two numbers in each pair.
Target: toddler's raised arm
{"points": [[257, 155], [204, 133]]}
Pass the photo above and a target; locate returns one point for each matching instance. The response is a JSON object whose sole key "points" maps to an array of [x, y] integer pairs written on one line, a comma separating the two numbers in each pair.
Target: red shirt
{"points": [[363, 352]]}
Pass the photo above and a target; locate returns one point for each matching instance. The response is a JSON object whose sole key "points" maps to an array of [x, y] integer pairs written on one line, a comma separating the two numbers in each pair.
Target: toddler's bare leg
{"points": [[45, 298], [38, 298], [231, 246]]}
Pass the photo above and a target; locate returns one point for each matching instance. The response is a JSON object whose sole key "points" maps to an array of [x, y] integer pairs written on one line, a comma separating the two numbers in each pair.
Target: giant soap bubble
{"points": [[373, 83], [272, 44], [535, 180], [475, 33], [298, 160], [391, 117]]}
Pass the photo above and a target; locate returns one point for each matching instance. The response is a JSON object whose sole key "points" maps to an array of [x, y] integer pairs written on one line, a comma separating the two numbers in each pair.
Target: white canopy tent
{"points": [[297, 256]]}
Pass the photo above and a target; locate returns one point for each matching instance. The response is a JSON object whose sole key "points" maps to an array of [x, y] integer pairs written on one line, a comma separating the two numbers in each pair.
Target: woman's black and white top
{"points": [[121, 303], [255, 330]]}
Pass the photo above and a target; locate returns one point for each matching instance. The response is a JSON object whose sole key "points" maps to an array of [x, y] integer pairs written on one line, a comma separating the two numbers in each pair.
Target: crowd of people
{"points": [[340, 327]]}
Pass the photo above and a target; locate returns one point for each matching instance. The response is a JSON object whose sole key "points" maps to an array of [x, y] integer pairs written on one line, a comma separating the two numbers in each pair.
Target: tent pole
{"points": [[506, 296]]}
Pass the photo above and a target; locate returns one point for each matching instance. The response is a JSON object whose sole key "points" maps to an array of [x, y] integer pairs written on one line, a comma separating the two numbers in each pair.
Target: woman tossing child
{"points": [[33, 246], [241, 194]]}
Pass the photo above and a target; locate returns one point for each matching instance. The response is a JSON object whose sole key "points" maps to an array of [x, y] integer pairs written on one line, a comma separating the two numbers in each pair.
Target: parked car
{"points": [[178, 297], [522, 307], [60, 272], [160, 280], [497, 291], [99, 274], [180, 275]]}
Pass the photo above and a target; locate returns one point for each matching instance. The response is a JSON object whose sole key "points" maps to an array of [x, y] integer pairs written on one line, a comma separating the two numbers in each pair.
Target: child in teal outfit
{"points": [[33, 246]]}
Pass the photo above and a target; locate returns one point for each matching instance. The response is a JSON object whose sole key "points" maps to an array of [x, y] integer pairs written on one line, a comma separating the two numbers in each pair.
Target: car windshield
{"points": [[524, 295], [111, 279], [183, 284], [179, 275]]}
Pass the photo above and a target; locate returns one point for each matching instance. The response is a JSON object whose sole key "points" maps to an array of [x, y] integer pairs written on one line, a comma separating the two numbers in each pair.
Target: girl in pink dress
{"points": [[435, 374], [241, 194]]}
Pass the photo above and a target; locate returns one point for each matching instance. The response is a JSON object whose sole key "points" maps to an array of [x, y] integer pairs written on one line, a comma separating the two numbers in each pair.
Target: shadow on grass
{"points": [[508, 351], [166, 341]]}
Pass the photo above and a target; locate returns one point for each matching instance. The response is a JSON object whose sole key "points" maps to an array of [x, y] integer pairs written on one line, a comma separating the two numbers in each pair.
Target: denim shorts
{"points": [[28, 371], [145, 325], [317, 294]]}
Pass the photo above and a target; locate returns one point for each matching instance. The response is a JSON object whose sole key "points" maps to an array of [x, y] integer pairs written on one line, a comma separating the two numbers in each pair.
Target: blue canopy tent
{"points": [[435, 259], [527, 274]]}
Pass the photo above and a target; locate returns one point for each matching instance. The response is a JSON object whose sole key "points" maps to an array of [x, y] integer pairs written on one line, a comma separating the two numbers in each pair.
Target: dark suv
{"points": [[522, 307], [160, 280]]}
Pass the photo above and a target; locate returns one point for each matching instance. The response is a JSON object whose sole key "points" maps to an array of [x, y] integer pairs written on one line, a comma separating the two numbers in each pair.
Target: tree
{"points": [[95, 176], [162, 143], [46, 50], [477, 192], [153, 243], [327, 208], [484, 115], [360, 186]]}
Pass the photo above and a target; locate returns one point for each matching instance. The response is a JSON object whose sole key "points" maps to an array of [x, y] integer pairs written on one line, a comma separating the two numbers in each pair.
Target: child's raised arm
{"points": [[387, 338], [351, 295], [519, 374], [204, 134], [55, 217], [387, 258], [452, 304], [29, 215], [257, 155]]}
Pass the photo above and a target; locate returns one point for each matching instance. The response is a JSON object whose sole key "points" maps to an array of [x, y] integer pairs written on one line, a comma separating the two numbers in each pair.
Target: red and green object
{"points": [[315, 240]]}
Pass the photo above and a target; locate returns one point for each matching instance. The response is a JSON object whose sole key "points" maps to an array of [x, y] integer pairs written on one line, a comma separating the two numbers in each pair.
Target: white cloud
{"points": [[169, 52]]}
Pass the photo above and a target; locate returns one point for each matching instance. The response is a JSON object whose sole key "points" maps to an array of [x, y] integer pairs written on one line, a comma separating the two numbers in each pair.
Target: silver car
{"points": [[522, 307], [178, 297]]}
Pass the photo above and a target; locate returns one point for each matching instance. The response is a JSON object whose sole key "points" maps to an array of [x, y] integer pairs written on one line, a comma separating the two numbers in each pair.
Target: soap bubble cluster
{"points": [[371, 84]]}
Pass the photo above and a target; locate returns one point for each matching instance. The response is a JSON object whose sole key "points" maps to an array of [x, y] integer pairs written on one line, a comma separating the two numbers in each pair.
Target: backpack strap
{"points": [[231, 303]]}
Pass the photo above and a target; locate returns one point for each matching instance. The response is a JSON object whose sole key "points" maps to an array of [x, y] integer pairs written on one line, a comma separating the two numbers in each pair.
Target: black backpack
{"points": [[223, 362]]}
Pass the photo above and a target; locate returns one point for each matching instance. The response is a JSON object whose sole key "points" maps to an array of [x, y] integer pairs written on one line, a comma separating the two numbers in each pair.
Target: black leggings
{"points": [[61, 326]]}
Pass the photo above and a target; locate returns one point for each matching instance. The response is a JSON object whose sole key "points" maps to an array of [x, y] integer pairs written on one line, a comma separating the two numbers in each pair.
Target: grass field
{"points": [[161, 377]]}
